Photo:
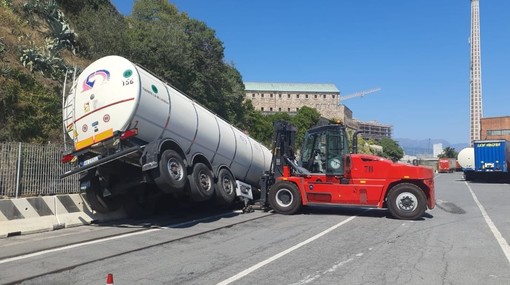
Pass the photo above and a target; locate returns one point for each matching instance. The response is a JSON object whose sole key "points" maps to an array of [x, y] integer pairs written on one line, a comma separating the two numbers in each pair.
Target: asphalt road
{"points": [[464, 240]]}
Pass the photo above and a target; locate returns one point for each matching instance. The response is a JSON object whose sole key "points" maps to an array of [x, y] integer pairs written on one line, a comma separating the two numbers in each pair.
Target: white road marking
{"points": [[499, 237], [42, 252], [283, 253], [309, 278]]}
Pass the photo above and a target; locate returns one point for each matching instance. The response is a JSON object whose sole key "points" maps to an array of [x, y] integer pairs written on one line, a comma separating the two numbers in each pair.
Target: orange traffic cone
{"points": [[109, 279]]}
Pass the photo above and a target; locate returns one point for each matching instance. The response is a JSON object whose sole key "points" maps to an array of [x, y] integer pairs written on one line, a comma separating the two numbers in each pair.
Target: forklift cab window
{"points": [[336, 149], [310, 156], [323, 152]]}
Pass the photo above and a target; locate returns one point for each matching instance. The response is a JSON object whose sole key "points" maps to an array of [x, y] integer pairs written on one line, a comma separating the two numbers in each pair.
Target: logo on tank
{"points": [[95, 78], [128, 73], [154, 93]]}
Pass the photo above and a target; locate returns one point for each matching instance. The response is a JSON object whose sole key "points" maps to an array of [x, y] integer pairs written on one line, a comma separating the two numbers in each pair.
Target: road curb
{"points": [[41, 214]]}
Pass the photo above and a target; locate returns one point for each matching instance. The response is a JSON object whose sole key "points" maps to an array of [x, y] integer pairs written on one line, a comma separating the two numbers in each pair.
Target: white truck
{"points": [[136, 137]]}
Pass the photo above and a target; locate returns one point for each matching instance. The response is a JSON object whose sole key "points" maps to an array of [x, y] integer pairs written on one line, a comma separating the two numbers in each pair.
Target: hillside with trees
{"points": [[43, 41]]}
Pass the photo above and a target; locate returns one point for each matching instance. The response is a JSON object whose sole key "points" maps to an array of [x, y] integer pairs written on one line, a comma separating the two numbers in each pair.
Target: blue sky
{"points": [[416, 51]]}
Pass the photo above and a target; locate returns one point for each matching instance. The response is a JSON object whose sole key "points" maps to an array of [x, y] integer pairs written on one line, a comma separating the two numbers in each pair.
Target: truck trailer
{"points": [[446, 165], [135, 137], [487, 160]]}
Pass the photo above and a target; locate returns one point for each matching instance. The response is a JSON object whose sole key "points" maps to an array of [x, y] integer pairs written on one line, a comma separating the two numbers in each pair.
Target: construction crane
{"points": [[357, 94]]}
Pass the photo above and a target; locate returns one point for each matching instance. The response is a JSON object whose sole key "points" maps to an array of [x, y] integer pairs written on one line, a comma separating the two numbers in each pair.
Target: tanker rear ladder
{"points": [[69, 115]]}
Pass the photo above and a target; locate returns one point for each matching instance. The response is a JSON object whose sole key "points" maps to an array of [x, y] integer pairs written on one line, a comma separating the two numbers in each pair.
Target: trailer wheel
{"points": [[285, 198], [94, 191], [407, 201], [140, 202], [225, 188], [469, 175], [172, 172], [201, 182]]}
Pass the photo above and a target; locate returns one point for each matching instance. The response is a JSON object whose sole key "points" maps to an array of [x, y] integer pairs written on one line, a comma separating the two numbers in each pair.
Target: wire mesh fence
{"points": [[33, 170]]}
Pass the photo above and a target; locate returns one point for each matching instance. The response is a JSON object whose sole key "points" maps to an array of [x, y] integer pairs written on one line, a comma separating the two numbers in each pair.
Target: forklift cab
{"points": [[323, 150]]}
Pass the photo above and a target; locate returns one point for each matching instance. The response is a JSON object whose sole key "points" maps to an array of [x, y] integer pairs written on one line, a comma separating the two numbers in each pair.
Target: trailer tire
{"points": [[225, 190], [407, 201], [285, 198], [172, 172], [201, 183], [94, 193], [469, 175], [140, 203]]}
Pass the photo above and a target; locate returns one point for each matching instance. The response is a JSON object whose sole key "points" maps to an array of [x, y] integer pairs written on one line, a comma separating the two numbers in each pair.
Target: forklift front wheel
{"points": [[285, 198], [407, 201]]}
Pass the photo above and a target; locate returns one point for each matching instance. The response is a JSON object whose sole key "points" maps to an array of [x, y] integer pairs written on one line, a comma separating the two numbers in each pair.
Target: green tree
{"points": [[304, 119], [187, 54], [448, 152], [257, 125], [96, 38], [391, 149], [158, 42], [260, 126], [29, 111], [236, 107]]}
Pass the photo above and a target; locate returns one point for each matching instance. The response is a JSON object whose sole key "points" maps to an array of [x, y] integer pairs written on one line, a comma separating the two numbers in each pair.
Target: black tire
{"points": [[406, 201], [140, 203], [469, 175], [285, 198], [95, 187], [172, 172], [201, 183], [225, 190]]}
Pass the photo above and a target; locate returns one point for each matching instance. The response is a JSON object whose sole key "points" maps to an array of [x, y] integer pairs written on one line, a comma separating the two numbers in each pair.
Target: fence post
{"points": [[18, 174]]}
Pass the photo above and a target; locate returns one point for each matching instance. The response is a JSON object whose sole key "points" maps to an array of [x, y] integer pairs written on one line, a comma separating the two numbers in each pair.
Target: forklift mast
{"points": [[283, 146], [283, 155]]}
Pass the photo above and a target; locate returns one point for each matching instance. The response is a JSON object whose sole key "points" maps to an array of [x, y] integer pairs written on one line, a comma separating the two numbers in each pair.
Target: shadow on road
{"points": [[353, 211]]}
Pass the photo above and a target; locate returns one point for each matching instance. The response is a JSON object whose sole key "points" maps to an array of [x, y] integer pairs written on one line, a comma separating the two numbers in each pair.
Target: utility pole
{"points": [[476, 111]]}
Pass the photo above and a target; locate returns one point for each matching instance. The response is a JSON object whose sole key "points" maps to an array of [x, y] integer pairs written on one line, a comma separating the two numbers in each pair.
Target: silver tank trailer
{"points": [[114, 94]]}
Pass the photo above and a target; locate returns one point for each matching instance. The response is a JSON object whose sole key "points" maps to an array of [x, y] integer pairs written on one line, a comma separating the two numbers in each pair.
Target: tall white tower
{"points": [[476, 111]]}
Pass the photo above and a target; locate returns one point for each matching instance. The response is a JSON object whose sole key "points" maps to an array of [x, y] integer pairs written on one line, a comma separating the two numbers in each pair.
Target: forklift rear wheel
{"points": [[407, 201], [285, 198]]}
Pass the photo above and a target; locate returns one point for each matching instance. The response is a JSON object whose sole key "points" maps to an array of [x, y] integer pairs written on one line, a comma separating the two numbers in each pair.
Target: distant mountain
{"points": [[424, 147]]}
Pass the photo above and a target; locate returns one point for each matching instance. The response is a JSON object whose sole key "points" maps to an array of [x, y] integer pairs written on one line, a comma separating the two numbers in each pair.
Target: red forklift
{"points": [[326, 173]]}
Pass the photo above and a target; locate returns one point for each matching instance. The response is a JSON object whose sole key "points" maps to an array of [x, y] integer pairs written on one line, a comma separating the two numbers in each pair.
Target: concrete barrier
{"points": [[40, 214]]}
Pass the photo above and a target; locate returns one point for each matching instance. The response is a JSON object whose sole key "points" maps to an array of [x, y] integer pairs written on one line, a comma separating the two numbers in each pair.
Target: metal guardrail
{"points": [[33, 170]]}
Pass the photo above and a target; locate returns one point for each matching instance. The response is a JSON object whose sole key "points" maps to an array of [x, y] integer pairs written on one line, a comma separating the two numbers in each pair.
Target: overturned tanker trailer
{"points": [[136, 138]]}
